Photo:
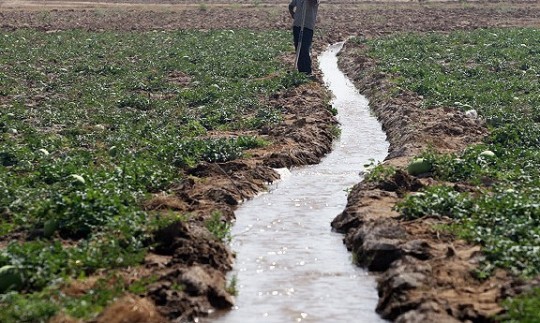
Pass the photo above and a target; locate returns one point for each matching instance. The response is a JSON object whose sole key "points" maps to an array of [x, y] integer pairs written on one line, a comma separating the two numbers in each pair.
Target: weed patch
{"points": [[523, 308], [220, 229], [377, 172]]}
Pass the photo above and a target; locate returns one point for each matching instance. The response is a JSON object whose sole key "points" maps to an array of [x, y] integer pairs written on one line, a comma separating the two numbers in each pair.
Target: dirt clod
{"points": [[130, 309]]}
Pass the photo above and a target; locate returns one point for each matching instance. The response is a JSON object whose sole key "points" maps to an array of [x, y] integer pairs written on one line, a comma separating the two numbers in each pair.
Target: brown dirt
{"points": [[426, 275]]}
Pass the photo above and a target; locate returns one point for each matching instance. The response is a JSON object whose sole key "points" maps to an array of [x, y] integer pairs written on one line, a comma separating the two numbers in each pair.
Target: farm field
{"points": [[481, 184], [131, 130], [100, 128]]}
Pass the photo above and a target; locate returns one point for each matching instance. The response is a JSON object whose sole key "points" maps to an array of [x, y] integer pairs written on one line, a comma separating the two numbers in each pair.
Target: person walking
{"points": [[304, 14]]}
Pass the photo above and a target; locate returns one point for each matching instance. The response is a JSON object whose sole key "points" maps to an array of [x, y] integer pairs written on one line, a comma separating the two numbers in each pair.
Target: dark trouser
{"points": [[304, 60]]}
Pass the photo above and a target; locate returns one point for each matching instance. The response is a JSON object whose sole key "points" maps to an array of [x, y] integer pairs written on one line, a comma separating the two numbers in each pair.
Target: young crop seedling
{"points": [[219, 228], [377, 172]]}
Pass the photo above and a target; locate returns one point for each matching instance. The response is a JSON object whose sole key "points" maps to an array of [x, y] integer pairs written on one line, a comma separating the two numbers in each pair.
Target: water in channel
{"points": [[290, 266]]}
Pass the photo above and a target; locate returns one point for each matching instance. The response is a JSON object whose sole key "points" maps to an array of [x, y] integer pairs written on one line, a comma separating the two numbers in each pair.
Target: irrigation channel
{"points": [[290, 266]]}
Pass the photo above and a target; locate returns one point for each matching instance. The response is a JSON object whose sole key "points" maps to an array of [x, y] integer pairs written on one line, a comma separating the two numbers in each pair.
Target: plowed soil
{"points": [[424, 276]]}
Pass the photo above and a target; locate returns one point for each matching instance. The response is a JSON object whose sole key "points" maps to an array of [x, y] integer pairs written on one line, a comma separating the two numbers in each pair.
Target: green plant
{"points": [[436, 201], [26, 308], [378, 172], [335, 131], [220, 229], [178, 287], [354, 258], [41, 306], [231, 287], [139, 287], [522, 308], [85, 306]]}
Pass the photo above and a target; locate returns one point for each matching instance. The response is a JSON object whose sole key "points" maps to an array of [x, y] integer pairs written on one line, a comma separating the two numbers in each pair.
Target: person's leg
{"points": [[296, 35], [304, 61]]}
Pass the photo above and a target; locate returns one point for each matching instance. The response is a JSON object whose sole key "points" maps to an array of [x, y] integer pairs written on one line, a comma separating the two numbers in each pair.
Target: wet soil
{"points": [[425, 275]]}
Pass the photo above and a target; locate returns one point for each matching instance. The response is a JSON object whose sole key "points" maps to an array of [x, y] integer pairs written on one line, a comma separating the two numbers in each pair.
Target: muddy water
{"points": [[290, 267]]}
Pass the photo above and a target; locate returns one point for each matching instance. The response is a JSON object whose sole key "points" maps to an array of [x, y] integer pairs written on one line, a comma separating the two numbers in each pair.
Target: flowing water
{"points": [[290, 266]]}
